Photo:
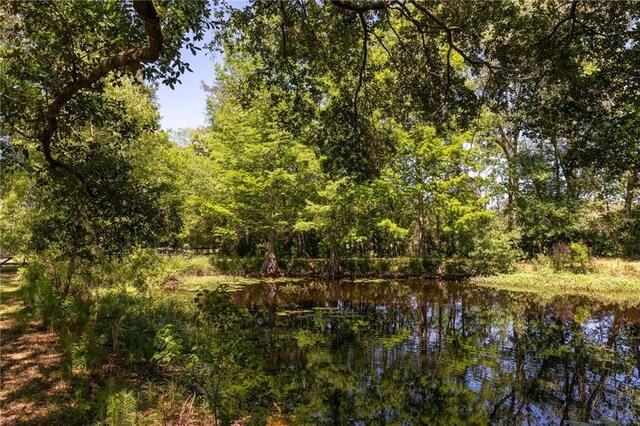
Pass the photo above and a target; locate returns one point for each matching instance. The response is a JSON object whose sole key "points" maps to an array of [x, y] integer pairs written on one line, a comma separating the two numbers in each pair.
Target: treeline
{"points": [[245, 186], [491, 192], [405, 144]]}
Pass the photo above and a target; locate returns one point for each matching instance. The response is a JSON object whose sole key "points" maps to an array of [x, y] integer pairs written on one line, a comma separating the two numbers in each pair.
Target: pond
{"points": [[424, 352]]}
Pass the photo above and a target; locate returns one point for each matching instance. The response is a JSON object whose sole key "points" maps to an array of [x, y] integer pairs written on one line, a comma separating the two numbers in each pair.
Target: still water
{"points": [[413, 353]]}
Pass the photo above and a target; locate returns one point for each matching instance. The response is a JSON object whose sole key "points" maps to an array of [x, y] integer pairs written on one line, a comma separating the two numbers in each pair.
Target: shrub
{"points": [[574, 256], [580, 257], [494, 249], [238, 265], [121, 409], [190, 265], [41, 293]]}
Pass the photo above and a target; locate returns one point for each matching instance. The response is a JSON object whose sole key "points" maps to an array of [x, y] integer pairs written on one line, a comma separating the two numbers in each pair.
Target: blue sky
{"points": [[185, 105]]}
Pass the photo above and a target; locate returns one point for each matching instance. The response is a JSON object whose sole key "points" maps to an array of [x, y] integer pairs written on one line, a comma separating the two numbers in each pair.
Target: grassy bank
{"points": [[351, 268], [191, 274], [606, 280]]}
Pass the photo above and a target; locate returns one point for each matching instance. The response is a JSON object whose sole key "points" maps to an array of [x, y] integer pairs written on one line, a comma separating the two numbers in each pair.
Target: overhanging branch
{"points": [[449, 33], [150, 18]]}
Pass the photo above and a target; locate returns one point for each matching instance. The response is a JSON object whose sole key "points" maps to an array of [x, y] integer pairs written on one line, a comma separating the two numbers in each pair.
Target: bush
{"points": [[494, 249], [560, 255], [107, 311], [575, 256], [41, 294], [121, 409], [580, 257], [238, 265]]}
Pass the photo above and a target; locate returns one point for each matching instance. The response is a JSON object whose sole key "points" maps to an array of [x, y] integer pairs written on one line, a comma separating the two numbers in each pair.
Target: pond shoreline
{"points": [[606, 280], [449, 269], [305, 306]]}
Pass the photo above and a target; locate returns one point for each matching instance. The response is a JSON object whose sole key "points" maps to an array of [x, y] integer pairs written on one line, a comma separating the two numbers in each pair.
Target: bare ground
{"points": [[32, 387]]}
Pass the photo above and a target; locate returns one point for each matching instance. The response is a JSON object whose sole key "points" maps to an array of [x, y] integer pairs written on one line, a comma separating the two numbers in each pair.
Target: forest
{"points": [[398, 212]]}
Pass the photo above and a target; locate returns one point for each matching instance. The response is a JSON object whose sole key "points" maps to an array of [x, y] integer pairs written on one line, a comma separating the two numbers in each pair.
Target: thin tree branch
{"points": [[403, 46], [283, 27], [389, 55], [449, 33], [306, 22], [446, 93], [571, 16]]}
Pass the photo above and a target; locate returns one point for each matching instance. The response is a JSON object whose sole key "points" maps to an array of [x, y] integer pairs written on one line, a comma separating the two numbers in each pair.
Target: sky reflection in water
{"points": [[434, 353]]}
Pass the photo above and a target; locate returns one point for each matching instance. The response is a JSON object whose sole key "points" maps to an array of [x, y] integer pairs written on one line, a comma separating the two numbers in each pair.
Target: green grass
{"points": [[608, 281], [189, 265], [191, 274], [10, 294]]}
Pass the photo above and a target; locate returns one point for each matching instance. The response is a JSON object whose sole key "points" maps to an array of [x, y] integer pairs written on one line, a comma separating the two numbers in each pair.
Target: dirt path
{"points": [[35, 391], [32, 388]]}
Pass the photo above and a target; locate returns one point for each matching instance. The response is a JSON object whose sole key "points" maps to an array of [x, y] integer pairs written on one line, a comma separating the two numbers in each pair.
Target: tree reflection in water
{"points": [[430, 353]]}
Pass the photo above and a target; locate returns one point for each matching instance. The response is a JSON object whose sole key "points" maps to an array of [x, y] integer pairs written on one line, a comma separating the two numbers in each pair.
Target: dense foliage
{"points": [[449, 136], [376, 129]]}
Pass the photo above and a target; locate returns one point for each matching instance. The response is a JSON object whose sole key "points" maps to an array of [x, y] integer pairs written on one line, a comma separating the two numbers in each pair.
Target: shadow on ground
{"points": [[33, 390]]}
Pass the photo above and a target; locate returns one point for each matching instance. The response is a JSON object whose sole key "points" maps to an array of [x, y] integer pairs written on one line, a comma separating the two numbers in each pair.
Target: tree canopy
{"points": [[344, 138], [446, 113]]}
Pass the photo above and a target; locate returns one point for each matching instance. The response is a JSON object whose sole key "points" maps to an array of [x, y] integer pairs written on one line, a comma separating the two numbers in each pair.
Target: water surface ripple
{"points": [[424, 352]]}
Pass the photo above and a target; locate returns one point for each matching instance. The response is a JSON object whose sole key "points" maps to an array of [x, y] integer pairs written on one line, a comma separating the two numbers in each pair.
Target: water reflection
{"points": [[434, 353]]}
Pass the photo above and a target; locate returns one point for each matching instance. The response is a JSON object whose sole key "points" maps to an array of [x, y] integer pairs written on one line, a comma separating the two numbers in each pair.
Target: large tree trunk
{"points": [[420, 237], [270, 265], [570, 169], [557, 166], [68, 277], [508, 142], [630, 193], [334, 260], [150, 18]]}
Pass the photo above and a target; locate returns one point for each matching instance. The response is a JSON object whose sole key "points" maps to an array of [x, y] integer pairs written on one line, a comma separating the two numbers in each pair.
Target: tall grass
{"points": [[605, 280]]}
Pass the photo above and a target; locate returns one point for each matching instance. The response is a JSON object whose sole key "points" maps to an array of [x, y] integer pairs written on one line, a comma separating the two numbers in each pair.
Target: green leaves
{"points": [[169, 345], [393, 229]]}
